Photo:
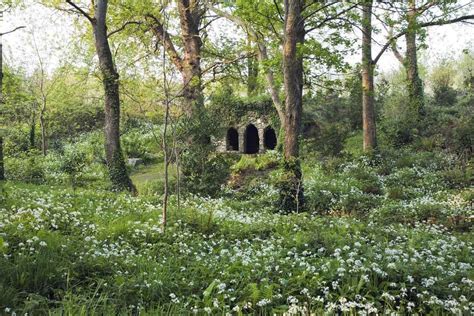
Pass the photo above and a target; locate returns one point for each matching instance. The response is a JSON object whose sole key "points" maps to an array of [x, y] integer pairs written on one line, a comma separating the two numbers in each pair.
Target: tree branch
{"points": [[165, 38], [278, 10], [81, 11], [395, 50], [426, 24], [444, 22], [123, 27], [330, 18], [11, 31], [227, 62], [209, 23], [262, 57], [397, 53], [317, 10]]}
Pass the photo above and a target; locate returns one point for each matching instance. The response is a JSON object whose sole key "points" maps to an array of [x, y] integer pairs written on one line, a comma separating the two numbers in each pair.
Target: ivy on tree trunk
{"points": [[110, 78], [291, 188]]}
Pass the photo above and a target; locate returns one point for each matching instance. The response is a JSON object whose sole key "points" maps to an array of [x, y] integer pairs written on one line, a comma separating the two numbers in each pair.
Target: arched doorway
{"points": [[269, 138], [251, 140], [232, 140]]}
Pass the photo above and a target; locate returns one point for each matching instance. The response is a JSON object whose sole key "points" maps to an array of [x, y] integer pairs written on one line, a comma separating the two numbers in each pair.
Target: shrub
{"points": [[72, 164], [27, 167], [210, 174], [353, 145], [259, 162], [16, 142]]}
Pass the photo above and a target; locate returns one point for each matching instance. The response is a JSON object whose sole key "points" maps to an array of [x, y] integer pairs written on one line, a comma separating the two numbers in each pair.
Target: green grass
{"points": [[146, 176]]}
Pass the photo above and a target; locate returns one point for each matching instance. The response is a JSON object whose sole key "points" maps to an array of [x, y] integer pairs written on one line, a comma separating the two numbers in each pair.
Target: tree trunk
{"points": [[262, 58], [293, 82], [43, 127], [252, 70], [415, 85], [190, 13], [33, 129], [293, 76], [271, 85], [110, 78], [2, 169], [368, 106]]}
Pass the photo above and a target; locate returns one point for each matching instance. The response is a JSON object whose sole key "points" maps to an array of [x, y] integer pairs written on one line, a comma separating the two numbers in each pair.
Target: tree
{"points": [[257, 35], [43, 89], [368, 106], [110, 79], [189, 63], [418, 16], [415, 86], [294, 33], [2, 169]]}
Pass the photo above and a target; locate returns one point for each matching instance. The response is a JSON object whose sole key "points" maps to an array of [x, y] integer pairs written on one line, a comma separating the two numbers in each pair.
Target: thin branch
{"points": [[278, 10], [227, 62], [330, 18], [318, 10], [209, 23], [262, 57], [444, 22], [427, 24], [123, 27], [15, 29], [81, 11]]}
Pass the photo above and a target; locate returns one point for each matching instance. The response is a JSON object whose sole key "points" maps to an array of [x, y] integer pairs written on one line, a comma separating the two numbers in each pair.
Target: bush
{"points": [[27, 167], [141, 142], [72, 164], [211, 175], [16, 141], [342, 193], [353, 145]]}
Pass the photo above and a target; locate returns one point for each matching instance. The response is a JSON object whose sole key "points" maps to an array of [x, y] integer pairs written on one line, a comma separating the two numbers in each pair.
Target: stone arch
{"points": [[251, 140], [269, 138], [232, 139]]}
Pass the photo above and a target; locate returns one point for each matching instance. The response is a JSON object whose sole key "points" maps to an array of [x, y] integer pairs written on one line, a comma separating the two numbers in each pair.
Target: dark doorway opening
{"points": [[251, 140], [269, 138], [232, 139]]}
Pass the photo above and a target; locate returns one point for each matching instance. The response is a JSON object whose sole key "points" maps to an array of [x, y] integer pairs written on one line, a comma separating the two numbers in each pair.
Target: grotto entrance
{"points": [[269, 138], [251, 140], [232, 140]]}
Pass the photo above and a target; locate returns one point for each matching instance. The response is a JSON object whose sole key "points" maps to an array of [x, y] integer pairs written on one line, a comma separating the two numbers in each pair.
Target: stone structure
{"points": [[250, 136]]}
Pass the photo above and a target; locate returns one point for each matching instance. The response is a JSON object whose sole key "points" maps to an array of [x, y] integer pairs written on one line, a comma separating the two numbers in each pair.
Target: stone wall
{"points": [[244, 138]]}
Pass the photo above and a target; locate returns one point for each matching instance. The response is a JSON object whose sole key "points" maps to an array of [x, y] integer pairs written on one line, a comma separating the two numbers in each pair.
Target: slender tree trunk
{"points": [[110, 78], [293, 82], [166, 161], [33, 129], [262, 58], [2, 169], [368, 104], [43, 127], [271, 85], [252, 70], [165, 143], [415, 84]]}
